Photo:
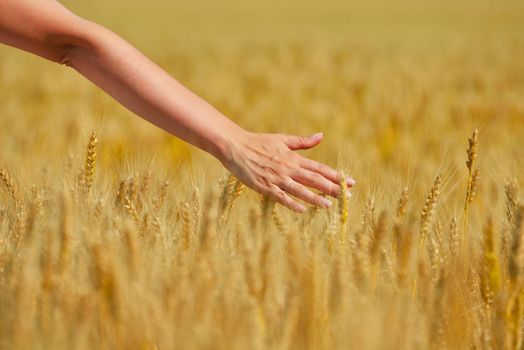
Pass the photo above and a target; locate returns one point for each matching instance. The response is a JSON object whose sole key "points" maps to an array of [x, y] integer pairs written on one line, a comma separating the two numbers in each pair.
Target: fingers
{"points": [[302, 142], [282, 197], [317, 181], [325, 171], [300, 191]]}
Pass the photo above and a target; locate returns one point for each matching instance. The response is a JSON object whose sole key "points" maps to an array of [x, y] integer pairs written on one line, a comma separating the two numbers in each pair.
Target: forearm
{"points": [[147, 90], [48, 29]]}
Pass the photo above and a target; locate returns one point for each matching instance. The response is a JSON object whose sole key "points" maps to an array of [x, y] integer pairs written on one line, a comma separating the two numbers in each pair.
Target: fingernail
{"points": [[348, 194], [302, 209], [326, 203], [317, 135], [350, 181]]}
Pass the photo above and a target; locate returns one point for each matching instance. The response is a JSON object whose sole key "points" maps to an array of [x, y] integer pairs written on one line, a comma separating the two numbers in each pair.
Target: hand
{"points": [[268, 164]]}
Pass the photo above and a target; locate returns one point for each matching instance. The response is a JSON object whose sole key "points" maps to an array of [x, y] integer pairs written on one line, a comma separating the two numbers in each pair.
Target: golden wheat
{"points": [[148, 249]]}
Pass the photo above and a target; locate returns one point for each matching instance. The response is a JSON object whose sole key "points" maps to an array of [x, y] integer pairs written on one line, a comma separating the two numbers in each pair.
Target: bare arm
{"points": [[264, 162]]}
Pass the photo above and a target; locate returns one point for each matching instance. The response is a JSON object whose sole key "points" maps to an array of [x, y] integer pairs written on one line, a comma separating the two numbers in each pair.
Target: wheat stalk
{"points": [[515, 305], [401, 213], [10, 187], [473, 177], [90, 162], [491, 277], [428, 211], [343, 212], [131, 210]]}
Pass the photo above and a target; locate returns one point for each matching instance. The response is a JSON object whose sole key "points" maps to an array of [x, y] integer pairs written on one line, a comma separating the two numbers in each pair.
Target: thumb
{"points": [[303, 142]]}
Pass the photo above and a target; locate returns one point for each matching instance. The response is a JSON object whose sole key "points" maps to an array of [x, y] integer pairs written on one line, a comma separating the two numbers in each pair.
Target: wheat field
{"points": [[115, 235]]}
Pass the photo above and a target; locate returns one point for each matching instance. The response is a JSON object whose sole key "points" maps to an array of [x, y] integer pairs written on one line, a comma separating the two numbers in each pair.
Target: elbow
{"points": [[65, 55], [68, 46], [69, 54]]}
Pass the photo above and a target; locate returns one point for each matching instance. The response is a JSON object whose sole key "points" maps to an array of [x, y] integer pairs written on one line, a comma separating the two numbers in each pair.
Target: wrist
{"points": [[225, 142]]}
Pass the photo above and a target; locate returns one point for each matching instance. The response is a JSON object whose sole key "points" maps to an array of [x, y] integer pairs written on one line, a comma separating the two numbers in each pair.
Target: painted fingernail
{"points": [[326, 203], [350, 181]]}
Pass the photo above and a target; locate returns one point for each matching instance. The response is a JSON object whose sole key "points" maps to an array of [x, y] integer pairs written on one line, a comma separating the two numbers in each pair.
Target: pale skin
{"points": [[267, 163]]}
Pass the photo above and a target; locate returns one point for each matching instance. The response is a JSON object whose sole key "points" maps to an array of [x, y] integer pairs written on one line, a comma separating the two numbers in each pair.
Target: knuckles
{"points": [[280, 196], [315, 179], [302, 140], [335, 190]]}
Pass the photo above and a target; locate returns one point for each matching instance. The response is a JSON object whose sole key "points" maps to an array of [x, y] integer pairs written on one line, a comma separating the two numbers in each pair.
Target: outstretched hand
{"points": [[268, 164]]}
